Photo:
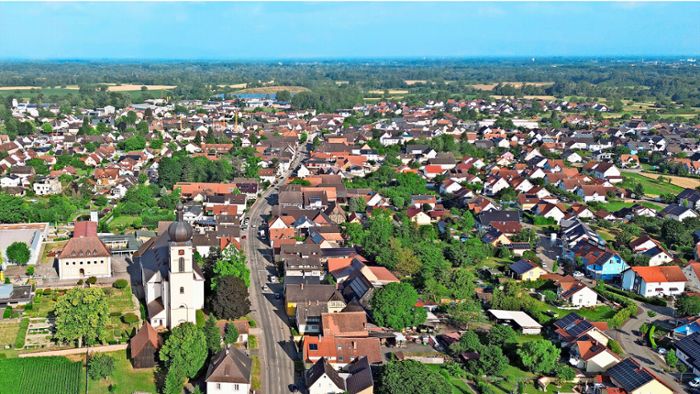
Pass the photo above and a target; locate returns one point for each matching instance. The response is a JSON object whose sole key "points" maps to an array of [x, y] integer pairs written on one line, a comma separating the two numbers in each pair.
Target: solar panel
{"points": [[567, 320], [579, 328], [629, 376]]}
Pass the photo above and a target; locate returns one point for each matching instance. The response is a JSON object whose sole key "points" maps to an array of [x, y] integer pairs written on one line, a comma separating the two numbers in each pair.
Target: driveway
{"points": [[629, 334]]}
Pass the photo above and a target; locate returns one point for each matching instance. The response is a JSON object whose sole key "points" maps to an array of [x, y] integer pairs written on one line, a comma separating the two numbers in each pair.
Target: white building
{"points": [[46, 186], [229, 372], [85, 255], [173, 284], [654, 281]]}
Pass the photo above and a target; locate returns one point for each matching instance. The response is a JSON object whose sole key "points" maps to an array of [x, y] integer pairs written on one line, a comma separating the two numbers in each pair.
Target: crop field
{"points": [[517, 85], [274, 89], [684, 182], [38, 375], [652, 186]]}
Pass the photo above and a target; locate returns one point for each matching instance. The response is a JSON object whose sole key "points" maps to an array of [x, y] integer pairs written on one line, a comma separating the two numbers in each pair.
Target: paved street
{"points": [[277, 349], [629, 334]]}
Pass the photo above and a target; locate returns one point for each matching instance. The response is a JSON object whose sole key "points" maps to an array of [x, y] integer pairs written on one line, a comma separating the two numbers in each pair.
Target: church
{"points": [[173, 284]]}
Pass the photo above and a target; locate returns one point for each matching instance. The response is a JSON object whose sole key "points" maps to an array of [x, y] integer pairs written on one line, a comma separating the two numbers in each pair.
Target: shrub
{"points": [[651, 313], [80, 282], [91, 280], [615, 347], [130, 318], [29, 307], [120, 284], [652, 340], [200, 318], [8, 313]]}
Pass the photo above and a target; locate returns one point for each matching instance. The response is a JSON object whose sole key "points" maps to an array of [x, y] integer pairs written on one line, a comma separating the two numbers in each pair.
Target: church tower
{"points": [[182, 302]]}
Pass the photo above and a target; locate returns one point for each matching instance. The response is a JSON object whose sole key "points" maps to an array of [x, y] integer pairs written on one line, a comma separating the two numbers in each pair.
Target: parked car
{"points": [[578, 274], [695, 382], [662, 351]]}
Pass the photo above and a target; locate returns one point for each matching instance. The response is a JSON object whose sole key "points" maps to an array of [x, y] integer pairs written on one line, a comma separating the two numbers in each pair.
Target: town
{"points": [[250, 243]]}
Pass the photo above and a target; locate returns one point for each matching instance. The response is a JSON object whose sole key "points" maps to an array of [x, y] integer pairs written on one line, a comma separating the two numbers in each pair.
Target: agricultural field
{"points": [[652, 187], [34, 375], [680, 181], [389, 91], [517, 85], [274, 89], [8, 332]]}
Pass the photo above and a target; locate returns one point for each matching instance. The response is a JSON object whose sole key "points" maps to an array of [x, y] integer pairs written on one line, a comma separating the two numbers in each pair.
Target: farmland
{"points": [[274, 89], [35, 375], [684, 182], [652, 187]]}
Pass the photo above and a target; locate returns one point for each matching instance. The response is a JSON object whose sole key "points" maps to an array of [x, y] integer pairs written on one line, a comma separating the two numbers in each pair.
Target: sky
{"points": [[271, 31]]}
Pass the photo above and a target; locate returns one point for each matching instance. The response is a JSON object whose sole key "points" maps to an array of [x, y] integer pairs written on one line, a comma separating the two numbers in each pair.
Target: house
{"points": [[573, 327], [229, 372], [599, 263], [688, 351], [635, 379], [689, 198], [592, 357], [354, 378], [417, 216], [577, 294], [692, 273], [655, 281], [84, 255], [46, 186], [310, 293], [526, 270], [344, 338], [143, 347], [651, 248], [522, 320], [678, 212]]}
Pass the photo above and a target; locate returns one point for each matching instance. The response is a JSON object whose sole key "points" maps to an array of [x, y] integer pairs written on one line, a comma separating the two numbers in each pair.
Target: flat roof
{"points": [[520, 318]]}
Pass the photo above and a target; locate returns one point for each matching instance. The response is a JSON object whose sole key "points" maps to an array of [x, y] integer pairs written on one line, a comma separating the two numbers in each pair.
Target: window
{"points": [[235, 387], [313, 346], [182, 290], [181, 252], [218, 386], [182, 264]]}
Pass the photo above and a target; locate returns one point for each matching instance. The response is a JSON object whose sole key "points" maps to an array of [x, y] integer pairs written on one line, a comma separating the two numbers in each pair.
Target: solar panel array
{"points": [[567, 320], [629, 376], [690, 345], [579, 328]]}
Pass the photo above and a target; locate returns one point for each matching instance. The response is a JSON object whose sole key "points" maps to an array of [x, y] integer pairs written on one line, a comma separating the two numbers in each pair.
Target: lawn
{"points": [[118, 223], [599, 313], [125, 378], [512, 375], [652, 187], [255, 370], [38, 375], [8, 332], [614, 206], [458, 386]]}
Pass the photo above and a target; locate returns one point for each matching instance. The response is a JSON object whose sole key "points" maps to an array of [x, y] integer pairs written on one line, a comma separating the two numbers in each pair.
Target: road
{"points": [[277, 349], [629, 334]]}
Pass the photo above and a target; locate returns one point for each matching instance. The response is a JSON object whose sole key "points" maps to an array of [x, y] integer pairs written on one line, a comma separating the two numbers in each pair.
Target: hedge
{"points": [[628, 294], [621, 316], [120, 283]]}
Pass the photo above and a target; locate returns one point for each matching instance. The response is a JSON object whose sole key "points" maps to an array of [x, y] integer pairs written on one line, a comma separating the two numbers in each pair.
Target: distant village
{"points": [[466, 237]]}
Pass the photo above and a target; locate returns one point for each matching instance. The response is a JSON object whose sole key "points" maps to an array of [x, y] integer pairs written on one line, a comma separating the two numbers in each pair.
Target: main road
{"points": [[277, 349]]}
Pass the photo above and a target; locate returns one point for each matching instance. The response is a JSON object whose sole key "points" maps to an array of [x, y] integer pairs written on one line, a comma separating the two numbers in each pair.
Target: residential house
{"points": [[229, 372], [631, 377], [353, 378], [592, 357], [678, 212], [526, 270], [655, 281]]}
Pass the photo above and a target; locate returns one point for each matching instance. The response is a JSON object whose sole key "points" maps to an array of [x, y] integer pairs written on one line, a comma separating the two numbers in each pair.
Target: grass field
{"points": [[613, 206], [517, 85], [389, 91], [8, 332], [125, 378], [680, 181], [38, 375], [652, 187], [121, 222]]}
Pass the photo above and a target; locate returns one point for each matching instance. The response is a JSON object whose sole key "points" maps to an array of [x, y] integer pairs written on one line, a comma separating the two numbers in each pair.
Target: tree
{"points": [[671, 359], [18, 253], [540, 356], [100, 366], [468, 342], [82, 315], [283, 95], [686, 305], [230, 299], [185, 350], [394, 306], [231, 263], [12, 209], [491, 361], [231, 334], [213, 335], [501, 335], [565, 373], [412, 377]]}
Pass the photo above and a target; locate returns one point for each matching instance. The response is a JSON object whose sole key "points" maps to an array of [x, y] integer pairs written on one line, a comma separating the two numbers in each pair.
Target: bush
{"points": [[91, 280], [201, 319], [120, 284], [615, 347], [100, 366], [652, 340], [8, 313], [29, 307], [130, 318], [80, 282]]}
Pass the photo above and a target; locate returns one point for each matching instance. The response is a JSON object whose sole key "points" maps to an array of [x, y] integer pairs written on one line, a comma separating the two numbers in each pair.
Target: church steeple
{"points": [[179, 230]]}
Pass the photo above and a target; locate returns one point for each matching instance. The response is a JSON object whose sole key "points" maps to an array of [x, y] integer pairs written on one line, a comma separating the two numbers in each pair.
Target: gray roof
{"points": [[230, 365]]}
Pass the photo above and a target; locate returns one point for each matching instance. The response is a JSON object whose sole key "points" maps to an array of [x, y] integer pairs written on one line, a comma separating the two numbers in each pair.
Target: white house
{"points": [[84, 255], [46, 186], [577, 294], [229, 372], [692, 272], [655, 281]]}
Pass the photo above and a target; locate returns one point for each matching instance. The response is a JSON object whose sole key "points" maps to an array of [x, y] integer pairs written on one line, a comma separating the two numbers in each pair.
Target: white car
{"points": [[662, 351], [578, 274], [695, 383]]}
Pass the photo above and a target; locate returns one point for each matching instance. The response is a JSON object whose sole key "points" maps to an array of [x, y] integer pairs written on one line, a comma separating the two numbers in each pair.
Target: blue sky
{"points": [[242, 31]]}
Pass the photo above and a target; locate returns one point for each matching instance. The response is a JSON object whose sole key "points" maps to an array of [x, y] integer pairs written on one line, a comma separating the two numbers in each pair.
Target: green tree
{"points": [[100, 366], [412, 377], [686, 305], [18, 253], [671, 359], [213, 335], [565, 373], [540, 356], [501, 335], [185, 350], [231, 334], [231, 263], [82, 315], [394, 306], [12, 209], [468, 342], [491, 361], [230, 299]]}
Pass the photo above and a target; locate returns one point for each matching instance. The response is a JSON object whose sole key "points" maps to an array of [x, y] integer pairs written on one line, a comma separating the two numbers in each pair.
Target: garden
{"points": [[36, 374]]}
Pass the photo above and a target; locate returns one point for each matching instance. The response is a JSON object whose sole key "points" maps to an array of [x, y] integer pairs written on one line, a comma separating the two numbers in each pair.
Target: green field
{"points": [[652, 187], [38, 375], [613, 206], [125, 379]]}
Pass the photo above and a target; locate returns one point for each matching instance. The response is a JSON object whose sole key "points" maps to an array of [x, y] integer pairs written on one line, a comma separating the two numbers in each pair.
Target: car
{"points": [[662, 351], [578, 274], [695, 382]]}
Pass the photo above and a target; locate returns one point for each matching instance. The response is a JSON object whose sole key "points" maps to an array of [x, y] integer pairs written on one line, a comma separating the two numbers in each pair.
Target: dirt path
{"points": [[79, 350]]}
